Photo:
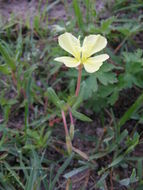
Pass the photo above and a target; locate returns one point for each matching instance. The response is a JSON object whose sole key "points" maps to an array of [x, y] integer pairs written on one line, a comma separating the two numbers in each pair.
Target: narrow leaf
{"points": [[9, 61], [54, 98], [4, 69], [60, 171], [81, 116], [137, 104]]}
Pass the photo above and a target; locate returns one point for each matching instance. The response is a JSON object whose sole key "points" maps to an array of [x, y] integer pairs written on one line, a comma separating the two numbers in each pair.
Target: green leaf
{"points": [[116, 161], [78, 14], [128, 181], [80, 116], [132, 143], [106, 78], [133, 177], [140, 169], [14, 174], [137, 104], [122, 136], [8, 59], [100, 183], [34, 172], [98, 155], [60, 171], [114, 97], [108, 67], [125, 182], [33, 134], [75, 172], [46, 136], [54, 98], [91, 86], [106, 25], [4, 69]]}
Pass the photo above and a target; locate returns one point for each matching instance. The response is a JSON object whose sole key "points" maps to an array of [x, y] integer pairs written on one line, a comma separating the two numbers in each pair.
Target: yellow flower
{"points": [[82, 55]]}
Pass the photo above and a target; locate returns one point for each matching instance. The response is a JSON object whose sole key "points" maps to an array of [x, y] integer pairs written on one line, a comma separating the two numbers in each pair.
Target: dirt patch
{"points": [[18, 9], [58, 12], [27, 9]]}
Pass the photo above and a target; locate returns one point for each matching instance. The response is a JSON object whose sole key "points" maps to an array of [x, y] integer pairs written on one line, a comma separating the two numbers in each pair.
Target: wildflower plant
{"points": [[82, 56]]}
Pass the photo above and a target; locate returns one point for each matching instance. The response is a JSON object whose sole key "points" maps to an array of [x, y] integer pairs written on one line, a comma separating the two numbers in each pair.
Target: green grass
{"points": [[108, 112]]}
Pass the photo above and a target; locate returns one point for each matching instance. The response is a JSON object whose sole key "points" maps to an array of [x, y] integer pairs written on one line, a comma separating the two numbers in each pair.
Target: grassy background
{"points": [[108, 151]]}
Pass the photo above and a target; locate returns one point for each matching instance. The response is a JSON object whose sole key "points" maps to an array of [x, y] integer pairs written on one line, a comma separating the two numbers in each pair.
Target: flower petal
{"points": [[70, 44], [93, 64], [93, 44], [68, 61], [91, 68], [99, 58]]}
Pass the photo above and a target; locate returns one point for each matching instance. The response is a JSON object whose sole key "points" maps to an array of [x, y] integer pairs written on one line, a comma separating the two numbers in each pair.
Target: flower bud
{"points": [[68, 144], [71, 131]]}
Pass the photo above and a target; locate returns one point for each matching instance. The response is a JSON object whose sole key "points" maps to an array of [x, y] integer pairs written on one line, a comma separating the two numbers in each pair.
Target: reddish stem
{"points": [[65, 123], [14, 79], [45, 105], [78, 80], [23, 93]]}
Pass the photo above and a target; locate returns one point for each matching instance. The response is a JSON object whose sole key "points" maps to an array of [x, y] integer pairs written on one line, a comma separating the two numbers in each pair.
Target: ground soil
{"points": [[18, 8]]}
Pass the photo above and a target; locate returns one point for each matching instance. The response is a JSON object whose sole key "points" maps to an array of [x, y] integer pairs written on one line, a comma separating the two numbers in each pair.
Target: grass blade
{"points": [[61, 170], [10, 62], [78, 14], [137, 104]]}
